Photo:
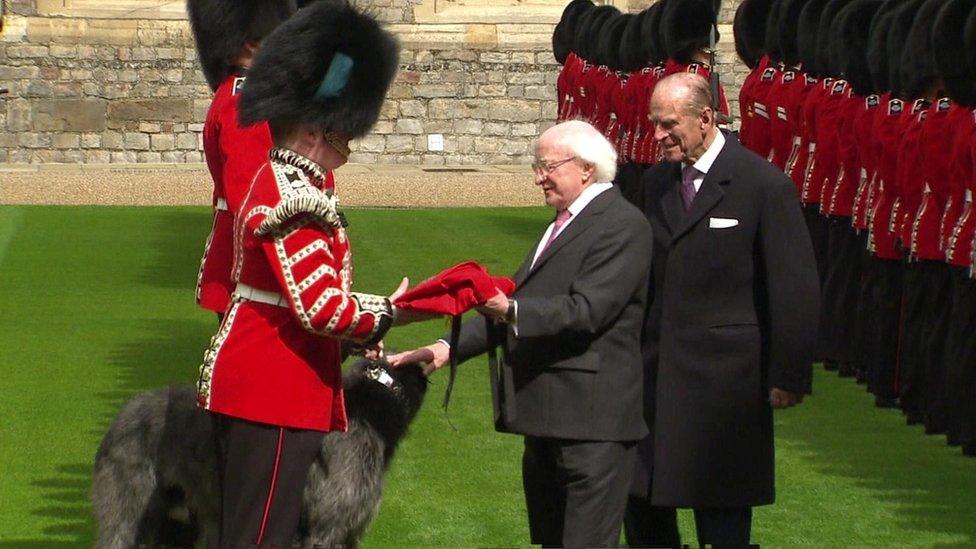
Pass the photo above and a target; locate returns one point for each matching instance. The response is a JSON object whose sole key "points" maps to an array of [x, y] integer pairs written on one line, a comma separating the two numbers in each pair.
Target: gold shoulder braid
{"points": [[298, 193]]}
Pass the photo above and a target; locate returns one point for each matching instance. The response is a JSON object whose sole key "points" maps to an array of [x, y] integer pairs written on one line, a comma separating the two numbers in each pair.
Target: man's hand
{"points": [[374, 351], [780, 398], [496, 307], [404, 316], [435, 355]]}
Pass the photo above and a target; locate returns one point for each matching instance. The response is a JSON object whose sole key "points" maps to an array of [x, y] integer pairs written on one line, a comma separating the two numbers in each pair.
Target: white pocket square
{"points": [[721, 222]]}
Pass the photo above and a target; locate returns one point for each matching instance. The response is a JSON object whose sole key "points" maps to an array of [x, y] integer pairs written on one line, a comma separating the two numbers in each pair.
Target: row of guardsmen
{"points": [[612, 60], [868, 106]]}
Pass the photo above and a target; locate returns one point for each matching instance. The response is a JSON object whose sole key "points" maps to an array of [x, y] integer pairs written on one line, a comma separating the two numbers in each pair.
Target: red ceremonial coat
{"points": [[276, 356], [962, 181], [233, 155], [910, 177], [795, 103], [925, 231], [812, 188], [783, 125], [754, 130], [882, 240], [864, 141], [827, 165]]}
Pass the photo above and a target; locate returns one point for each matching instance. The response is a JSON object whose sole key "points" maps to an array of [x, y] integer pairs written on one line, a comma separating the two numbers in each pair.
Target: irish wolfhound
{"points": [[155, 481]]}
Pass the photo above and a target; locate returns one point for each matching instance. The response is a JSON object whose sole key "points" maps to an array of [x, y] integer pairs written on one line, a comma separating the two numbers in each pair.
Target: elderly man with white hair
{"points": [[570, 377]]}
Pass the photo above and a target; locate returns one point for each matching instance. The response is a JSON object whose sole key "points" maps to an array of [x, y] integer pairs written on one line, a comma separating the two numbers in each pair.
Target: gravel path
{"points": [[358, 185]]}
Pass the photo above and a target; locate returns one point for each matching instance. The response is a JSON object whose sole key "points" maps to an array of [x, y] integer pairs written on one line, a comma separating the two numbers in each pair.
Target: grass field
{"points": [[96, 304]]}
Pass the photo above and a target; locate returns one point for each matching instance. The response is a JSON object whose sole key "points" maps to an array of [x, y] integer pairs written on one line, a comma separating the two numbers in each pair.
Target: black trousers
{"points": [[840, 290], [576, 491], [817, 226], [262, 476], [936, 310], [863, 321], [646, 525], [925, 292], [724, 527], [959, 391], [883, 339]]}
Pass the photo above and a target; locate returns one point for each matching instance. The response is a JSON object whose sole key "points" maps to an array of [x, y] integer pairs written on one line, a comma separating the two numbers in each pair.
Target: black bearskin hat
{"points": [[787, 28], [749, 30], [608, 47], [948, 45], [918, 70], [632, 51], [329, 66], [901, 26], [969, 42], [687, 27], [652, 31], [824, 36], [565, 31], [849, 45], [221, 27], [588, 31], [771, 40], [878, 45], [807, 37]]}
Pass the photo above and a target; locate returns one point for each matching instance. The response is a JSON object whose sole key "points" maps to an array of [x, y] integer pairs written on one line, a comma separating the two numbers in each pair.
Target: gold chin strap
{"points": [[338, 144]]}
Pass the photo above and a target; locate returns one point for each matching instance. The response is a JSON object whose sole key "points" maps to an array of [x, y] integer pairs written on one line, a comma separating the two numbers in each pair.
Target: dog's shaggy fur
{"points": [[155, 480]]}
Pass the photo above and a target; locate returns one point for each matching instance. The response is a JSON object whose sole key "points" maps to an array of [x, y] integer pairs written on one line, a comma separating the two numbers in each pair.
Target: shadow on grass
{"points": [[177, 238], [65, 494], [928, 486]]}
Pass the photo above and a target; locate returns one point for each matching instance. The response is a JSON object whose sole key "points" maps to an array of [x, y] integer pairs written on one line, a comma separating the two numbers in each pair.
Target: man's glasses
{"points": [[543, 167]]}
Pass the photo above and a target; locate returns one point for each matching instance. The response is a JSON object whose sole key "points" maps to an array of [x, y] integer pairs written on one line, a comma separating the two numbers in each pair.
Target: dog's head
{"points": [[374, 389]]}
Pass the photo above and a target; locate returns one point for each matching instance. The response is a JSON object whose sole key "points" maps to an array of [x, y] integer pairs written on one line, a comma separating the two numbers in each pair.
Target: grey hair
{"points": [[695, 90], [589, 145]]}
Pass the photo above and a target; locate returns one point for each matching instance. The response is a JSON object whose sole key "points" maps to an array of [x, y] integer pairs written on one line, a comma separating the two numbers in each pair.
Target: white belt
{"points": [[261, 296], [222, 205]]}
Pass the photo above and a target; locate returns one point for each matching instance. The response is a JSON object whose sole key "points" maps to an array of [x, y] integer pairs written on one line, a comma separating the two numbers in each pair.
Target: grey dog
{"points": [[155, 481]]}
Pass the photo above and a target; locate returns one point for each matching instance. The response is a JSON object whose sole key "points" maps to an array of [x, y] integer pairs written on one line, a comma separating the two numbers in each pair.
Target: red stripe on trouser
{"points": [[271, 489]]}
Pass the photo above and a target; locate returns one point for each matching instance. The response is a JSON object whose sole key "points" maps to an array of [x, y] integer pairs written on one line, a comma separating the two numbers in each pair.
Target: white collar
{"points": [[587, 195], [704, 163]]}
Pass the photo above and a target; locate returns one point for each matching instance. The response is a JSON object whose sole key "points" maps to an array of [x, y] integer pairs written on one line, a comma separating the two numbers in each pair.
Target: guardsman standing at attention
{"points": [[227, 33]]}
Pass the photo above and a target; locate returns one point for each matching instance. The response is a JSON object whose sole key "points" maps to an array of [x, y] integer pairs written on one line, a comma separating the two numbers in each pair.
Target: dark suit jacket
{"points": [[734, 312], [574, 371]]}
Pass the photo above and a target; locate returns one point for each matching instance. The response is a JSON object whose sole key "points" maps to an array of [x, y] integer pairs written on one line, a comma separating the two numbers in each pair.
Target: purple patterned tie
{"points": [[688, 175]]}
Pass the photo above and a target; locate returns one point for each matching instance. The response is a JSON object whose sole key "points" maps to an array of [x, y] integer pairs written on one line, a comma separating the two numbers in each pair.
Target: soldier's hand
{"points": [[781, 398], [435, 355]]}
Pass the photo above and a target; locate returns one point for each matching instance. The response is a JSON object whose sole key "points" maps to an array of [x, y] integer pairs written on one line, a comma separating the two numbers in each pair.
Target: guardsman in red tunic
{"points": [[271, 376], [749, 30], [227, 33], [563, 50]]}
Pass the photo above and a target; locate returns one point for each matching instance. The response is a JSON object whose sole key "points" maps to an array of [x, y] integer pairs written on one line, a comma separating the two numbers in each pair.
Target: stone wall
{"points": [[130, 90]]}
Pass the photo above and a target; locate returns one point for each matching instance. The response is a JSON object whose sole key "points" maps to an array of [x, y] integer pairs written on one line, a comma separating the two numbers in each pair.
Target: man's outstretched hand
{"points": [[435, 355], [780, 398]]}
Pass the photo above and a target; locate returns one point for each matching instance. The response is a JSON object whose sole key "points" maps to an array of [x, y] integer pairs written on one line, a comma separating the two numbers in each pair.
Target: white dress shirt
{"points": [[704, 163]]}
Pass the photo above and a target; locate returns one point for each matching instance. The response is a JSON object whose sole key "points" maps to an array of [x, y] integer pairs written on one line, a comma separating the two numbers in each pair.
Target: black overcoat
{"points": [[734, 312]]}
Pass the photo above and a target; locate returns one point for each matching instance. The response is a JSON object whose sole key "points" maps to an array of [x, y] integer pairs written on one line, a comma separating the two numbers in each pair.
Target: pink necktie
{"points": [[688, 175], [561, 218]]}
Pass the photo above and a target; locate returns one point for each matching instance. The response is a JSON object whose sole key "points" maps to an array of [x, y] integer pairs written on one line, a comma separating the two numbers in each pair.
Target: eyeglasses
{"points": [[546, 167]]}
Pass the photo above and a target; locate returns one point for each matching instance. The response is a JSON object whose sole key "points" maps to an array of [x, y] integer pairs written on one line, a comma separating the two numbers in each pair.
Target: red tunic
{"points": [[962, 180], [827, 166], [864, 141], [276, 357], [910, 177], [882, 240], [783, 124], [233, 155], [925, 231], [754, 131], [812, 188], [795, 103]]}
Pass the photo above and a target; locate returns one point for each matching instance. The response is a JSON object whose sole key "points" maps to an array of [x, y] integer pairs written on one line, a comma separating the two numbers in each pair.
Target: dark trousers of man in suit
{"points": [[575, 491], [725, 527]]}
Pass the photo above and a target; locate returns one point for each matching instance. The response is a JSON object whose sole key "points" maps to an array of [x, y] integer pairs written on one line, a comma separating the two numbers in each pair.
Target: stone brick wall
{"points": [[123, 90]]}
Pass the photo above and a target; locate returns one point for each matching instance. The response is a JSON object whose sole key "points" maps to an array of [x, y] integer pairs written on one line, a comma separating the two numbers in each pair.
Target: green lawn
{"points": [[97, 305]]}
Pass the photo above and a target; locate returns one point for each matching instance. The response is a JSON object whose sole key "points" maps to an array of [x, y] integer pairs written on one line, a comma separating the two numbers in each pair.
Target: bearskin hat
{"points": [[221, 27], [608, 47], [652, 30], [901, 26], [827, 18], [749, 30], [588, 31], [565, 31], [808, 29], [918, 69], [771, 40], [688, 25], [947, 44], [969, 41], [329, 66], [632, 52], [878, 45], [849, 44], [787, 29]]}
